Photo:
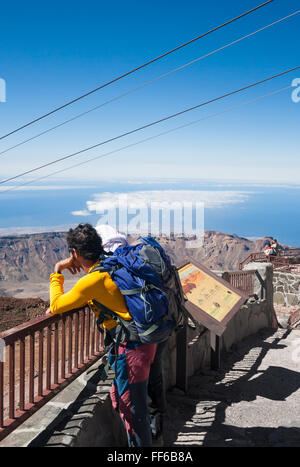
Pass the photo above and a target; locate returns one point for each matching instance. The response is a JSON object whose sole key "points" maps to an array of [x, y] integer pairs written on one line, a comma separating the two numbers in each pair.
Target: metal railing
{"points": [[290, 252], [284, 258], [241, 280], [43, 356], [253, 257]]}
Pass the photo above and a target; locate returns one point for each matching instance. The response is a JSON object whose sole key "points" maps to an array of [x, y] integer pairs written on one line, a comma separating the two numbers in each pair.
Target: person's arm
{"points": [[61, 302], [69, 263]]}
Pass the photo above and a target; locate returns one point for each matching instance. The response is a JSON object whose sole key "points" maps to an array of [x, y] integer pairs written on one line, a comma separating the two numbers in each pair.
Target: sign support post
{"points": [[181, 359], [215, 353], [212, 302]]}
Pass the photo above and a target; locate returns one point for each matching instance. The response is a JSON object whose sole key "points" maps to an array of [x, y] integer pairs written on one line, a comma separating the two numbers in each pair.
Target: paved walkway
{"points": [[254, 400]]}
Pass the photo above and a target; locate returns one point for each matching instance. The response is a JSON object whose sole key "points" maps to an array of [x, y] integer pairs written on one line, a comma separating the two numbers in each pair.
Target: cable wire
{"points": [[148, 83], [149, 138], [148, 125], [135, 69]]}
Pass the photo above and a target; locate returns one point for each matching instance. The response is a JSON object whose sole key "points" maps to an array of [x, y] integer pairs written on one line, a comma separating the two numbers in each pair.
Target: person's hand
{"points": [[69, 263]]}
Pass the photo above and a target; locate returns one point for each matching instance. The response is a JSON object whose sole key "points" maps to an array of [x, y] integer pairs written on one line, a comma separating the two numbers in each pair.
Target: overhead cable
{"points": [[148, 125], [134, 70], [123, 148], [148, 83]]}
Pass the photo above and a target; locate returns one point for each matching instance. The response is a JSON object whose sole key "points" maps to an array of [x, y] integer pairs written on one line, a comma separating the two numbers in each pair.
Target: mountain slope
{"points": [[26, 262], [32, 257]]}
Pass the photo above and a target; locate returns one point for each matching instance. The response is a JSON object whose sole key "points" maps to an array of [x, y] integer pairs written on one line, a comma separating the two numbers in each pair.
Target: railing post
{"points": [[31, 368], [76, 338], [70, 348], [49, 348], [63, 347], [82, 331], [12, 380], [93, 335], [88, 332], [41, 363], [22, 374], [55, 353]]}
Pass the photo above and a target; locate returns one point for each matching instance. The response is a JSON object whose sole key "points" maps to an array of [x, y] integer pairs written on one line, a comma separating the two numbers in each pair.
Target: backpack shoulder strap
{"points": [[102, 268]]}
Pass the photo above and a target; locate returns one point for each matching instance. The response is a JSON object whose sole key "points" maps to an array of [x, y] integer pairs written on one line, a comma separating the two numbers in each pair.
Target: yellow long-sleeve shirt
{"points": [[94, 286]]}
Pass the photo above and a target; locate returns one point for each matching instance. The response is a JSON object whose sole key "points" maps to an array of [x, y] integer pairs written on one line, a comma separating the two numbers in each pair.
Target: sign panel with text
{"points": [[211, 301]]}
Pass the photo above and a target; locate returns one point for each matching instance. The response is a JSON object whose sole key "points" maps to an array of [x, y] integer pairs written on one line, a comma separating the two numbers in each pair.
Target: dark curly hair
{"points": [[85, 239]]}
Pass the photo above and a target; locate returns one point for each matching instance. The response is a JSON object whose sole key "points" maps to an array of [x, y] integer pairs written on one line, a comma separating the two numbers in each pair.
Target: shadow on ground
{"points": [[198, 418]]}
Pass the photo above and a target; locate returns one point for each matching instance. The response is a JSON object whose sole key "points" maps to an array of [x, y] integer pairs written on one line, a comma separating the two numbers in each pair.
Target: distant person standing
{"points": [[268, 250], [275, 247]]}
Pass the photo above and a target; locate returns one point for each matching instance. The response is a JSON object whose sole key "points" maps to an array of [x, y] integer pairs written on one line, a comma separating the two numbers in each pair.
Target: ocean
{"points": [[251, 210]]}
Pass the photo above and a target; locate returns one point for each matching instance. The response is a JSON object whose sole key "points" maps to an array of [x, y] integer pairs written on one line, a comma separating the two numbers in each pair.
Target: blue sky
{"points": [[242, 161], [54, 51]]}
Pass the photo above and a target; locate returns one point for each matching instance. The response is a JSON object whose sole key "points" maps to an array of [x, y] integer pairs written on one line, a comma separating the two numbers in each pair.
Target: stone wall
{"points": [[286, 289], [82, 416]]}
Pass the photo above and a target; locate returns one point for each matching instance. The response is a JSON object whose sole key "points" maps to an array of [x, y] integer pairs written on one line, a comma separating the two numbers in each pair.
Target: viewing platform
{"points": [[287, 260], [51, 392]]}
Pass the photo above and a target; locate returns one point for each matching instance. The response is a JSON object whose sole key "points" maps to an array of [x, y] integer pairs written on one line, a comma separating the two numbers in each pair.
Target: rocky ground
{"points": [[252, 401], [15, 311]]}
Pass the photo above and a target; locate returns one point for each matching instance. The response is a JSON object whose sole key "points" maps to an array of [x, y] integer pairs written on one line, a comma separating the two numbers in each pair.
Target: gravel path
{"points": [[254, 400]]}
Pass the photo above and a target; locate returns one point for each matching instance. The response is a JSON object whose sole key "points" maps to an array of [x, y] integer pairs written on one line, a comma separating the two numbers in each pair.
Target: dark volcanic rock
{"points": [[15, 311]]}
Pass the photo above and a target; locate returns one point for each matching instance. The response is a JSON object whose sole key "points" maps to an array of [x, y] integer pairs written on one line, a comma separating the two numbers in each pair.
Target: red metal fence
{"points": [[290, 252], [241, 280], [253, 257], [41, 357], [283, 259]]}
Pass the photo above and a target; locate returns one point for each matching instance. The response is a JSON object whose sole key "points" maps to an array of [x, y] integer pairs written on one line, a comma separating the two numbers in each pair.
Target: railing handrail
{"points": [[35, 324], [241, 273], [242, 280], [289, 252], [55, 349], [252, 257]]}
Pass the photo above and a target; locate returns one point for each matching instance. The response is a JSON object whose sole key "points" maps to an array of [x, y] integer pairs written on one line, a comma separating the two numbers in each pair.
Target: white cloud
{"points": [[187, 206], [83, 213], [165, 198]]}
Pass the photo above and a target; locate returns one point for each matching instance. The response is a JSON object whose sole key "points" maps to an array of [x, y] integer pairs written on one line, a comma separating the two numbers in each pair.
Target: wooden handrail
{"points": [[35, 324], [53, 348]]}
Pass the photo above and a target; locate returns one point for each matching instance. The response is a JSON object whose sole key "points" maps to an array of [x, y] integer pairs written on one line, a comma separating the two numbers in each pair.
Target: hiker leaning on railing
{"points": [[136, 362]]}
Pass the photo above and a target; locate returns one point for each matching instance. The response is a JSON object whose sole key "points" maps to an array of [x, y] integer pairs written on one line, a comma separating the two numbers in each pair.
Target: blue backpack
{"points": [[152, 290]]}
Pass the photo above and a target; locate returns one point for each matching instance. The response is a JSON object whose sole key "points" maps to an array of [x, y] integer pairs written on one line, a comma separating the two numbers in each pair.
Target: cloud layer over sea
{"points": [[245, 209]]}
